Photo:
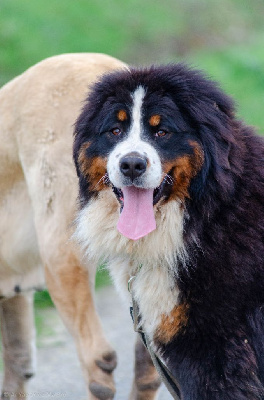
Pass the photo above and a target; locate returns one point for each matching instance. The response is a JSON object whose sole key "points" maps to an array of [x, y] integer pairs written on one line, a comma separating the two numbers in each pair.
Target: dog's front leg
{"points": [[18, 337], [146, 381], [71, 291], [208, 367]]}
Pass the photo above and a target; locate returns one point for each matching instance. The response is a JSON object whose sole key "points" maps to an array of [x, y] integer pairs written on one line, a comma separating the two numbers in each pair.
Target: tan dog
{"points": [[38, 191]]}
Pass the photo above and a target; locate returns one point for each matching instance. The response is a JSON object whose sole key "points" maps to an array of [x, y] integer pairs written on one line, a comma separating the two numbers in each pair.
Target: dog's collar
{"points": [[167, 378]]}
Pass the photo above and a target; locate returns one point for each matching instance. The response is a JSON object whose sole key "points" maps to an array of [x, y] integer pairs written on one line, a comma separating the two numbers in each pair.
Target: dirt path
{"points": [[58, 373]]}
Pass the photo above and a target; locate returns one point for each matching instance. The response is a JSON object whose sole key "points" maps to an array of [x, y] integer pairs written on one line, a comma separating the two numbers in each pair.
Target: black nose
{"points": [[133, 165]]}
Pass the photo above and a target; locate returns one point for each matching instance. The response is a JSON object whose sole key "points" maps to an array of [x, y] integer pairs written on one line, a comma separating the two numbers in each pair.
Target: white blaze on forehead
{"points": [[134, 142], [136, 128]]}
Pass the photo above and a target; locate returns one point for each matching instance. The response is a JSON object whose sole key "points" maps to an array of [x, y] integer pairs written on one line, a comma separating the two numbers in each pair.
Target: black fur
{"points": [[219, 355]]}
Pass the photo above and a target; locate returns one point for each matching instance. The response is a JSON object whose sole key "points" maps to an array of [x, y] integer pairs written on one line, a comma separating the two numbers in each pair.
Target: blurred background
{"points": [[225, 38]]}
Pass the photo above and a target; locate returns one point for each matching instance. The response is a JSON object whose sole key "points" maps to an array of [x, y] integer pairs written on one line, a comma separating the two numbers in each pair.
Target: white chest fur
{"points": [[153, 289], [156, 254]]}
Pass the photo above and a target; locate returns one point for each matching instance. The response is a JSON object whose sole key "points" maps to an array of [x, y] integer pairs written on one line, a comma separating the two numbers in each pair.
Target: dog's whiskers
{"points": [[168, 179], [104, 179]]}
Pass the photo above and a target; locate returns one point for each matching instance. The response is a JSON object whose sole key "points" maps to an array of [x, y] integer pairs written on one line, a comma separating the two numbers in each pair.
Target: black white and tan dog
{"points": [[171, 193]]}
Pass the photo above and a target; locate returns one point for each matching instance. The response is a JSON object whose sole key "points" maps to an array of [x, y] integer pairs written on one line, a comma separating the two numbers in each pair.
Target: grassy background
{"points": [[225, 38]]}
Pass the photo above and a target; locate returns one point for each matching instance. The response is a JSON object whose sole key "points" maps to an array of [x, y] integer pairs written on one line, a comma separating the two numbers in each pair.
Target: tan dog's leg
{"points": [[146, 382], [39, 109], [18, 336], [70, 289]]}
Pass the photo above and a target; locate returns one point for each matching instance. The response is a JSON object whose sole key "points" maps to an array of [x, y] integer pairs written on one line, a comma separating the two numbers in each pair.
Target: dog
{"points": [[171, 188], [38, 191]]}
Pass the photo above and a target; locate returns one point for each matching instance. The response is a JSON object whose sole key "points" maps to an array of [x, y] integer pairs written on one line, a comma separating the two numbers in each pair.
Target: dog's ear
{"points": [[215, 127], [217, 145], [213, 124]]}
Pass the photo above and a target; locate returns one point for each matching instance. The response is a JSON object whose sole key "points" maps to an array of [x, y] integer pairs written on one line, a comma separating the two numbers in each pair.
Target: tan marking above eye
{"points": [[121, 115], [154, 120]]}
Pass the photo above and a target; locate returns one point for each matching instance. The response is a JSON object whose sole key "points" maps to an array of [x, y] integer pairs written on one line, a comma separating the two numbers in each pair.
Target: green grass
{"points": [[43, 299], [240, 71], [102, 278], [31, 31], [134, 30], [224, 38]]}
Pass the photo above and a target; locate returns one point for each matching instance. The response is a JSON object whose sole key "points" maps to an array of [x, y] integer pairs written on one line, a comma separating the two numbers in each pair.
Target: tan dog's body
{"points": [[38, 191]]}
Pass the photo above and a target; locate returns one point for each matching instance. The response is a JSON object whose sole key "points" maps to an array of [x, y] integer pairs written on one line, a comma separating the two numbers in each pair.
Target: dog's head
{"points": [[153, 135]]}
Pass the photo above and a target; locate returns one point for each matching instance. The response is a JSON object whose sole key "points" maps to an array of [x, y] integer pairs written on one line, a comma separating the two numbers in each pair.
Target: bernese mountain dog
{"points": [[171, 193]]}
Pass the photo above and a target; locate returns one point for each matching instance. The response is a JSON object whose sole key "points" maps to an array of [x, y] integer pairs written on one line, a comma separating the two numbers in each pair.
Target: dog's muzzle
{"points": [[133, 165]]}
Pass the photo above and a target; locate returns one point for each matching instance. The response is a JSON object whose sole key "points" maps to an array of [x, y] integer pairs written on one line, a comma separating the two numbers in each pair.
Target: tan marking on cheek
{"points": [[154, 120], [183, 169], [93, 168], [172, 323], [122, 115], [181, 172]]}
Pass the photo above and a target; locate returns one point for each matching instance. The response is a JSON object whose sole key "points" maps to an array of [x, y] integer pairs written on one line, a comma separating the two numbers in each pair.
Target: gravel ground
{"points": [[59, 375]]}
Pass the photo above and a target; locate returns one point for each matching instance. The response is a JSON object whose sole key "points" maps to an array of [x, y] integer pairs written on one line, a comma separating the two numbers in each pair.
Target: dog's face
{"points": [[140, 132]]}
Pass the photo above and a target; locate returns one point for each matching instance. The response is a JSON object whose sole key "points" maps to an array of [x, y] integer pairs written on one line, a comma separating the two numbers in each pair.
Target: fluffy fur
{"points": [[200, 275]]}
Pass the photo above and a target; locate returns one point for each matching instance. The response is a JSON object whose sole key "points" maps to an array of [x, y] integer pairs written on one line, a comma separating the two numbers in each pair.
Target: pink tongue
{"points": [[137, 217]]}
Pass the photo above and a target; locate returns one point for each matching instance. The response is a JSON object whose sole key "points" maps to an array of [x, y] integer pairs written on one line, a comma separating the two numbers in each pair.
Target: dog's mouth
{"points": [[137, 214], [119, 195], [163, 190]]}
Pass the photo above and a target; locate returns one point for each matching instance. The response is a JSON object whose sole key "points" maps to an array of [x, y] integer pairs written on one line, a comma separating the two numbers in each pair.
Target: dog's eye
{"points": [[116, 131], [160, 133]]}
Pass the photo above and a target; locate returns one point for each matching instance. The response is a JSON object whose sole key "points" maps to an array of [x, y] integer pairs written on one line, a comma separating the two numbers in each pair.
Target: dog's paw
{"points": [[108, 362], [101, 392]]}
